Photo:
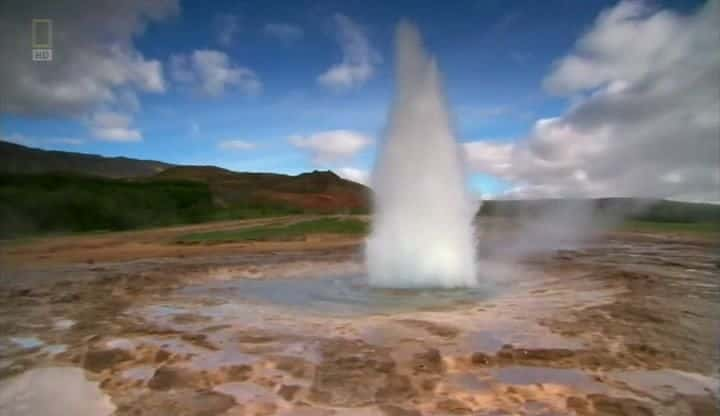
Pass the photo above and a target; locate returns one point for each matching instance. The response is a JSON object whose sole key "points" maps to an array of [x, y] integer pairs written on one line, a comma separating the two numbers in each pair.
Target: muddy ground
{"points": [[133, 324]]}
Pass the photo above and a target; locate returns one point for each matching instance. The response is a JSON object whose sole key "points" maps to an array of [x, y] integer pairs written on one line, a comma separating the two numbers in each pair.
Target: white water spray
{"points": [[423, 234]]}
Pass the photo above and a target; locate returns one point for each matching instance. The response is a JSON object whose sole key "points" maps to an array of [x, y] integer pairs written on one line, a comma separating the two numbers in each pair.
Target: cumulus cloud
{"points": [[226, 26], [285, 32], [94, 56], [647, 120], [354, 174], [210, 72], [359, 57], [330, 146], [114, 127], [236, 144]]}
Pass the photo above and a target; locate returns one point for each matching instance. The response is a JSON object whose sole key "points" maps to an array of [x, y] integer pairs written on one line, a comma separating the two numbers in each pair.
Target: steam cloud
{"points": [[423, 233]]}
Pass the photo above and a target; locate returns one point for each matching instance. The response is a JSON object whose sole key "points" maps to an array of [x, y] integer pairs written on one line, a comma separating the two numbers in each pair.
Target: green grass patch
{"points": [[671, 227], [289, 232], [46, 204]]}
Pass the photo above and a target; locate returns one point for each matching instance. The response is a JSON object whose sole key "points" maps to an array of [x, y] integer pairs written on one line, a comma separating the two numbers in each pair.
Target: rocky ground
{"points": [[625, 325]]}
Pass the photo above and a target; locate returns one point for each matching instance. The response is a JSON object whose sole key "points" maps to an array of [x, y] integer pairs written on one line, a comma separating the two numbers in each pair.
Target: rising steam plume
{"points": [[423, 234]]}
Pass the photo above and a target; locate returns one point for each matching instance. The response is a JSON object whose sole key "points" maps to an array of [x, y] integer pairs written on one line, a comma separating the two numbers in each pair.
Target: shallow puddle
{"points": [[53, 391], [525, 375]]}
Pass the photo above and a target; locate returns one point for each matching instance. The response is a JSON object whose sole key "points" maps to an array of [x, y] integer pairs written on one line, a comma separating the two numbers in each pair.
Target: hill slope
{"points": [[321, 191], [15, 158]]}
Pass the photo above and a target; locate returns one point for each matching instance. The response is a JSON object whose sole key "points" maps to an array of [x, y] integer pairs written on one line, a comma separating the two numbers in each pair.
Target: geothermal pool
{"points": [[342, 296]]}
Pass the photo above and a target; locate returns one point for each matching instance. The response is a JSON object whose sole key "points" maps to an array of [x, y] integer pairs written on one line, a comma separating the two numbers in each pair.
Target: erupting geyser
{"points": [[423, 234]]}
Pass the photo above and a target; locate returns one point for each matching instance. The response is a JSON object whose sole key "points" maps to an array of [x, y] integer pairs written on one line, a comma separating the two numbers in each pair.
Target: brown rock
{"points": [[180, 403], [440, 330], [238, 372], [166, 378], [454, 406], [161, 356], [479, 358], [578, 404], [429, 361], [351, 374], [611, 406], [391, 410], [97, 361], [397, 387], [288, 392]]}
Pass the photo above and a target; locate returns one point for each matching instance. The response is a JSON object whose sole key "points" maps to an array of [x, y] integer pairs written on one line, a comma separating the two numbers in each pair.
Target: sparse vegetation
{"points": [[293, 231]]}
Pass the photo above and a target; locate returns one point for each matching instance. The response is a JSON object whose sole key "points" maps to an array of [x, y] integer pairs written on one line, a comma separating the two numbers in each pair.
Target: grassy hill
{"points": [[322, 192], [46, 203], [47, 191], [15, 158]]}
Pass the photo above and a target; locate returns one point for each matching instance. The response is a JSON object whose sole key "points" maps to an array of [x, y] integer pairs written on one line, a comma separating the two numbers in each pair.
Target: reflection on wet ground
{"points": [[576, 332]]}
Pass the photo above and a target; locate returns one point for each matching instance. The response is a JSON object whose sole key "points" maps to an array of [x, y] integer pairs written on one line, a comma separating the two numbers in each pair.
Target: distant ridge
{"points": [[321, 191], [15, 158], [317, 191]]}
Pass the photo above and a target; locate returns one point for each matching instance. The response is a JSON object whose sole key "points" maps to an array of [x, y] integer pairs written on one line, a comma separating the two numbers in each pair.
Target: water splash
{"points": [[423, 234]]}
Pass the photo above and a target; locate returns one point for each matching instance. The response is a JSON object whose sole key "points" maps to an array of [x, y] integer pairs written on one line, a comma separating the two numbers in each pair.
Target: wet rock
{"points": [[480, 358], [510, 354], [178, 403], [66, 298], [611, 406], [253, 338], [161, 356], [97, 361], [200, 340], [166, 378], [429, 361], [702, 405], [397, 387], [351, 374], [288, 392], [429, 384], [189, 318], [643, 349], [577, 404], [238, 372], [392, 410], [440, 330], [453, 406], [295, 366]]}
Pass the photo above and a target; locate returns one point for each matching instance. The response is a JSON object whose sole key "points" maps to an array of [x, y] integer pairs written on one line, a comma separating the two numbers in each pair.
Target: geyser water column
{"points": [[422, 233]]}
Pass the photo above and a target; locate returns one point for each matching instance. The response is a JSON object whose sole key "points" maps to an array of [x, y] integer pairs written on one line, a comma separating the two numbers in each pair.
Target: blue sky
{"points": [[494, 55]]}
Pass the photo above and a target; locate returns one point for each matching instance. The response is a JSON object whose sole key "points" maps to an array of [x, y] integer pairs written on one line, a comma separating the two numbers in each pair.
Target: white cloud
{"points": [[68, 140], [114, 127], [95, 56], [211, 72], [354, 174], [333, 145], [649, 125], [285, 32], [236, 144], [359, 57], [226, 26]]}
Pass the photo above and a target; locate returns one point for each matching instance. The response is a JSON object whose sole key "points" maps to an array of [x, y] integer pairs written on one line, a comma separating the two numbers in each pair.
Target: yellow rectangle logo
{"points": [[42, 33]]}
